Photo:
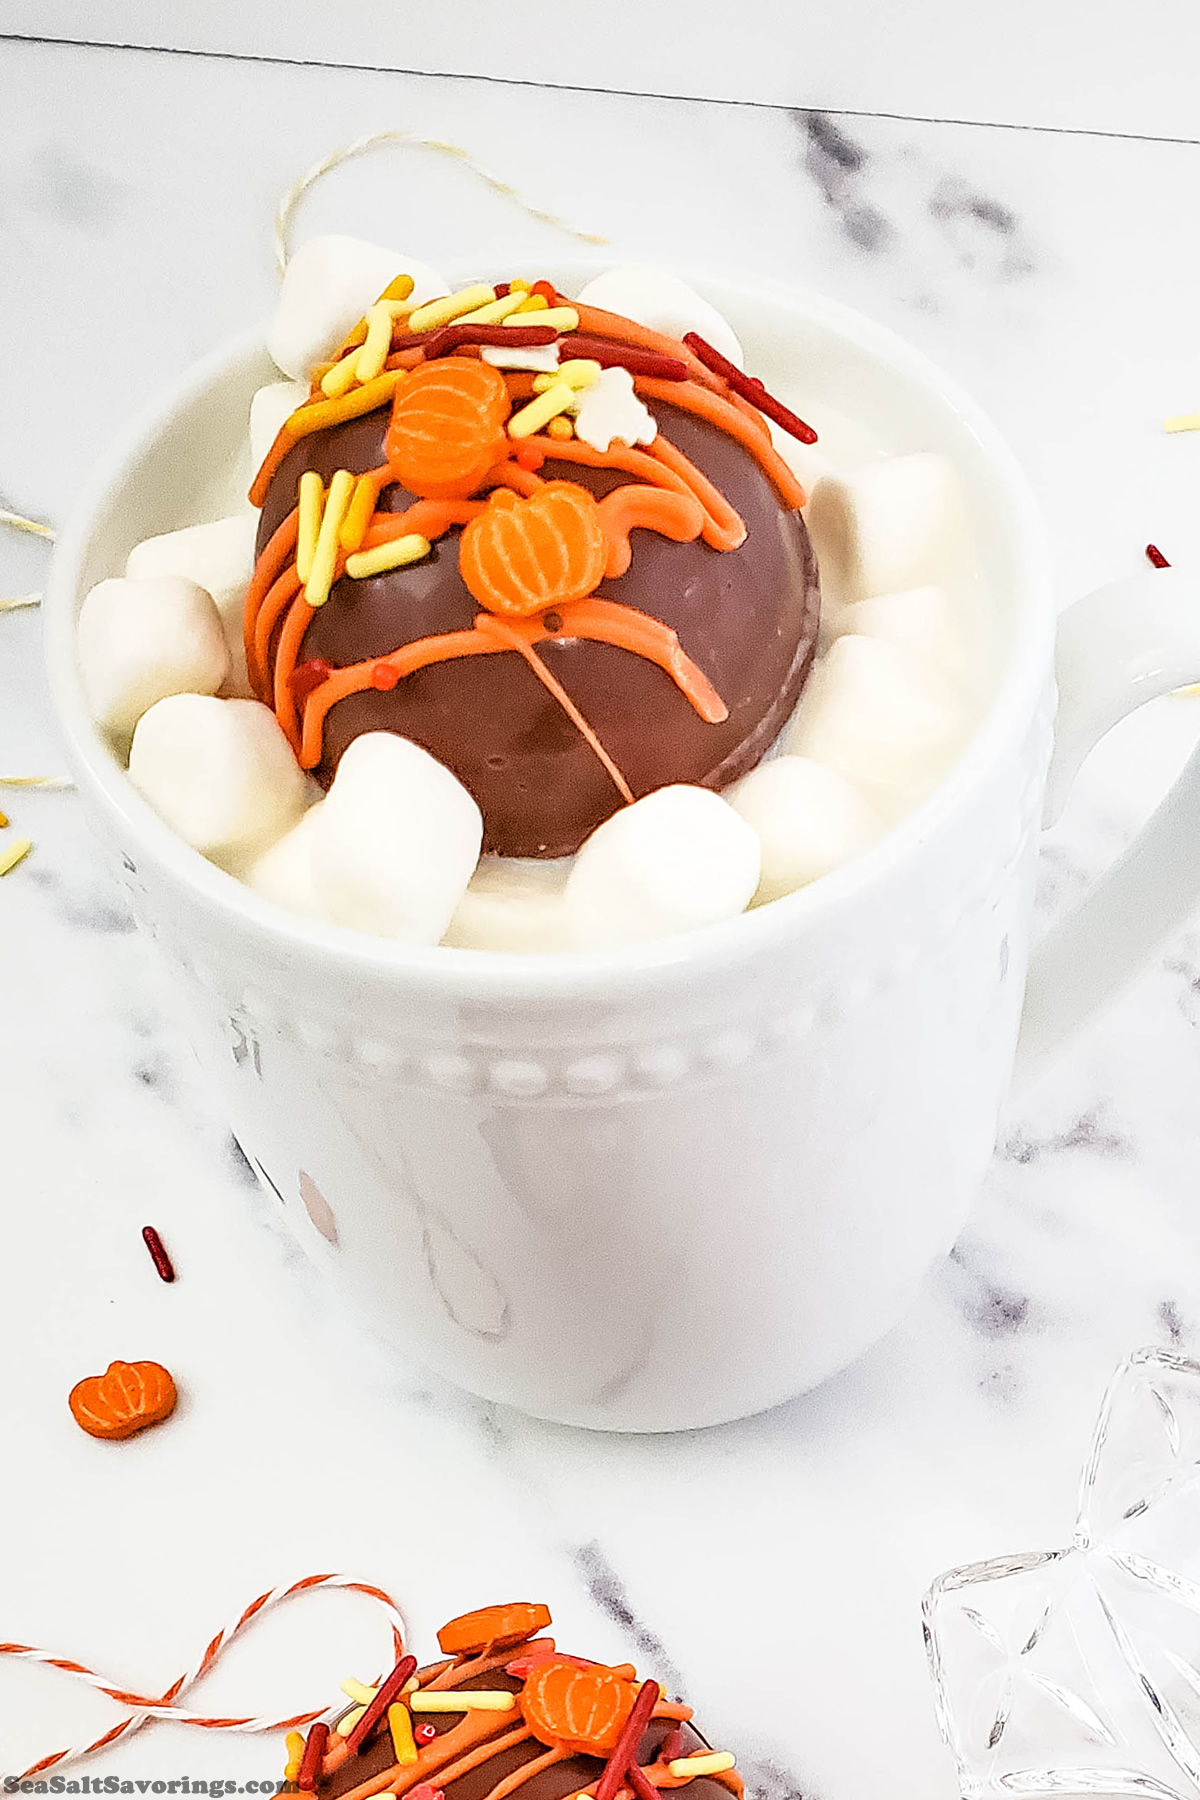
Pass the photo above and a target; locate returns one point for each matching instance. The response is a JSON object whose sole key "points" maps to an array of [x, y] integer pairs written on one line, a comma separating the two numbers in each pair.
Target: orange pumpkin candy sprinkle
{"points": [[127, 1398], [519, 557], [583, 1710], [493, 1628], [447, 428]]}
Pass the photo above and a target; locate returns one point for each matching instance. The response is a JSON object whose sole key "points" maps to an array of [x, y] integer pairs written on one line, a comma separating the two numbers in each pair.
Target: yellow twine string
{"points": [[19, 523], [375, 140]]}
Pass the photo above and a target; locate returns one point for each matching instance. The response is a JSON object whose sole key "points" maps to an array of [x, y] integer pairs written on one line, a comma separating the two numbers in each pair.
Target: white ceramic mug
{"points": [[672, 1185]]}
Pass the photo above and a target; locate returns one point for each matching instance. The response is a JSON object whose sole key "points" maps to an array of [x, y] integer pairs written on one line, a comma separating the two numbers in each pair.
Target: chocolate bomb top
{"points": [[569, 1728], [685, 672]]}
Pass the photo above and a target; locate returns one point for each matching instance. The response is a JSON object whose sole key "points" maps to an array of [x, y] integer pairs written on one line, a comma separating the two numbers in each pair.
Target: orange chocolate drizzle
{"points": [[476, 1738], [667, 494]]}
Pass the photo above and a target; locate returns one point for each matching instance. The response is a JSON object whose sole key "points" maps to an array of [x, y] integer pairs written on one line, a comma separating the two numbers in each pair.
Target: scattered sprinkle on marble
{"points": [[1155, 555], [1183, 422], [14, 853], [158, 1253]]}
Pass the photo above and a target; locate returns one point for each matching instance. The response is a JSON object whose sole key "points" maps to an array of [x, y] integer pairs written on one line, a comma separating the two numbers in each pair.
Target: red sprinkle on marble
{"points": [[750, 389], [158, 1253], [377, 1710], [384, 677], [1155, 555], [531, 457], [307, 677], [424, 1733], [310, 1762]]}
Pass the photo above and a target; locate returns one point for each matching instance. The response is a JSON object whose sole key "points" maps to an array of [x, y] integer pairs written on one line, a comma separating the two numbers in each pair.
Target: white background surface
{"points": [[774, 1569], [1105, 66]]}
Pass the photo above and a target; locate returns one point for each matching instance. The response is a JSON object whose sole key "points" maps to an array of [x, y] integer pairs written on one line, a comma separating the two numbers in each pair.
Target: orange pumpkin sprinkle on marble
{"points": [[127, 1398], [492, 1628]]}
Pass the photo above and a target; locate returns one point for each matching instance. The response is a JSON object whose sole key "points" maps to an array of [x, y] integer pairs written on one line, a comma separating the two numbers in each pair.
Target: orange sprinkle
{"points": [[701, 401], [677, 516], [520, 556], [270, 613], [447, 428], [560, 428], [267, 569]]}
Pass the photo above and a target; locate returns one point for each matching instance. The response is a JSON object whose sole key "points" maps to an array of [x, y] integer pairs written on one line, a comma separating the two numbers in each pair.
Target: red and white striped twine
{"points": [[166, 1705]]}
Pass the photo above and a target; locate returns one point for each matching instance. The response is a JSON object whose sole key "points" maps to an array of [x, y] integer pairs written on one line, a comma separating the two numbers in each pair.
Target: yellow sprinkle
{"points": [[560, 428], [519, 282], [1184, 422], [463, 1700], [309, 505], [37, 781], [716, 1764], [341, 377], [359, 1691], [495, 311], [450, 307], [403, 1742], [294, 1744], [394, 555], [399, 289], [349, 1720], [579, 373], [16, 852], [292, 1770], [531, 418], [561, 318], [374, 352], [536, 303], [5, 821], [358, 516], [320, 579]]}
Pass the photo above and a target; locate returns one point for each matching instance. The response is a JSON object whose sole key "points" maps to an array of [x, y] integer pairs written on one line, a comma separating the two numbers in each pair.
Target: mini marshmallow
{"points": [[327, 287], [139, 641], [284, 873], [220, 558], [396, 841], [921, 621], [656, 298], [878, 716], [809, 820], [892, 525], [270, 406], [512, 904], [610, 409], [220, 772], [674, 861]]}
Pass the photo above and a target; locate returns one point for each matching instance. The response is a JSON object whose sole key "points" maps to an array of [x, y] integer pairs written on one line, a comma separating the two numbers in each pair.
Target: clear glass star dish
{"points": [[1076, 1672]]}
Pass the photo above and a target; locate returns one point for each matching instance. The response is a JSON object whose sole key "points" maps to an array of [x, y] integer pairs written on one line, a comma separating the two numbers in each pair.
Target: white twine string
{"points": [[20, 523], [375, 140], [166, 1706]]}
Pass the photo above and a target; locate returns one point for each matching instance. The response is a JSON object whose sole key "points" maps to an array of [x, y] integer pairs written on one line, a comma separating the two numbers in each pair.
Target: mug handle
{"points": [[1117, 648]]}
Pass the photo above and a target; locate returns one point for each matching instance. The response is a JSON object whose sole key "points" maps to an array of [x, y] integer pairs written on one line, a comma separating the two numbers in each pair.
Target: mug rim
{"points": [[484, 975]]}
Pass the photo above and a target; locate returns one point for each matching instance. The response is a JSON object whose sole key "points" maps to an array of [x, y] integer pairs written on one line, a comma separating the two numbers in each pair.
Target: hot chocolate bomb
{"points": [[745, 614], [509, 1712]]}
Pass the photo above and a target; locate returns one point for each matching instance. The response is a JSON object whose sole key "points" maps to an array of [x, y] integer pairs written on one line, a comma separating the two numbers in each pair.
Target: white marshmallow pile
{"points": [[393, 850]]}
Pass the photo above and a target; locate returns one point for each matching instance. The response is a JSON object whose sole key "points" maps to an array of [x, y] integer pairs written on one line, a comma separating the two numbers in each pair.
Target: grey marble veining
{"points": [[772, 1569]]}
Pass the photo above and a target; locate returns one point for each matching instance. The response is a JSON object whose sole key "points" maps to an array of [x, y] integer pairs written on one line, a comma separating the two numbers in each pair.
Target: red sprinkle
{"points": [[546, 289], [641, 1783], [621, 1763], [384, 677], [673, 1745], [530, 457], [310, 1762], [622, 356], [424, 1733], [158, 1253], [503, 289], [451, 336], [307, 677], [377, 1711], [1156, 557], [750, 389], [425, 1790]]}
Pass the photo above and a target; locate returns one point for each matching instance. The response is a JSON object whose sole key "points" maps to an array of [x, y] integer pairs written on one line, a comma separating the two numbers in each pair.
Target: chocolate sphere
{"points": [[748, 617]]}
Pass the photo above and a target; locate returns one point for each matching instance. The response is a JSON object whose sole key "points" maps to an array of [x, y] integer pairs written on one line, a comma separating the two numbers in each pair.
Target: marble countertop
{"points": [[772, 1569]]}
